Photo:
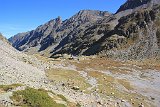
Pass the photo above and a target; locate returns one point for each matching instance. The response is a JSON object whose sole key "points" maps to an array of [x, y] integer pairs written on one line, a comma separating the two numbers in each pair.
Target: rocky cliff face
{"points": [[127, 34], [23, 41], [134, 37], [131, 4]]}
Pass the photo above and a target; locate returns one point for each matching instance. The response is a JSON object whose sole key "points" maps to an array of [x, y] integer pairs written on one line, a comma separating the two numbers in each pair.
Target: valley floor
{"points": [[83, 81]]}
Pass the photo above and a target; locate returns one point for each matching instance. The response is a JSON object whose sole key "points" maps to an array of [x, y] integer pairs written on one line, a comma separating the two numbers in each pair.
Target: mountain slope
{"points": [[134, 37], [2, 38], [56, 33], [10, 72], [31, 39]]}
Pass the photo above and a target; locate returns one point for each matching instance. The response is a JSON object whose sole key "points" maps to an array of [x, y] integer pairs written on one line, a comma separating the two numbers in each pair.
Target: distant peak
{"points": [[95, 12], [91, 14], [83, 11], [131, 4], [54, 22], [59, 20]]}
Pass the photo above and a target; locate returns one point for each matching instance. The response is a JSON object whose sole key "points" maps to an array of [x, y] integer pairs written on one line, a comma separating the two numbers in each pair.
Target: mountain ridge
{"points": [[83, 17], [132, 4], [91, 32]]}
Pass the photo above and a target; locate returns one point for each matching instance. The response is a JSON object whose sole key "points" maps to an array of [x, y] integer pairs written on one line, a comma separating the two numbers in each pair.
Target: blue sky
{"points": [[25, 15]]}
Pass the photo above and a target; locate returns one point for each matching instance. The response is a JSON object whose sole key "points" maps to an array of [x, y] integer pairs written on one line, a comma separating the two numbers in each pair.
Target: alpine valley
{"points": [[93, 59]]}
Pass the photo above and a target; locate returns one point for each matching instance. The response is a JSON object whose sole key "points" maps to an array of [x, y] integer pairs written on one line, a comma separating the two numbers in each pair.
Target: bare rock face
{"points": [[132, 4], [136, 36], [17, 40], [33, 38]]}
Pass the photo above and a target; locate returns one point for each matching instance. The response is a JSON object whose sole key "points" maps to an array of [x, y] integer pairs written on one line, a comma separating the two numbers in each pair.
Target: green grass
{"points": [[62, 97], [34, 98], [9, 87]]}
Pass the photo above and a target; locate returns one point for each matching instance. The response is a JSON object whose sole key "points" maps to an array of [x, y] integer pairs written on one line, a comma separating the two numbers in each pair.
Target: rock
{"points": [[63, 84], [112, 93], [152, 98], [75, 88], [141, 105], [100, 102], [122, 100], [46, 82]]}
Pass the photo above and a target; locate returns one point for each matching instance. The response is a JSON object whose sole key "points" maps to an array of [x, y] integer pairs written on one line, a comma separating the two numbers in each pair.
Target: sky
{"points": [[24, 15]]}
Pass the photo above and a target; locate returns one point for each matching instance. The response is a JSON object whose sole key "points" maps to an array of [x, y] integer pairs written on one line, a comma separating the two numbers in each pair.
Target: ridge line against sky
{"points": [[19, 16]]}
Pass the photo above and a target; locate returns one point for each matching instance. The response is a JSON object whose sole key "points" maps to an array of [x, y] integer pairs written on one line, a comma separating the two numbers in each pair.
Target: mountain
{"points": [[31, 39], [56, 33], [131, 33]]}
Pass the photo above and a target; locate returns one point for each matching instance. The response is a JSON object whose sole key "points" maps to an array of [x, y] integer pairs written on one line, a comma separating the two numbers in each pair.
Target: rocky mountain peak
{"points": [[52, 23], [131, 4], [89, 15], [58, 20], [92, 13]]}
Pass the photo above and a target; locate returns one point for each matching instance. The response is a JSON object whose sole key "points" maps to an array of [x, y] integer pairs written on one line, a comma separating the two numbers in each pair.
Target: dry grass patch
{"points": [[68, 78], [5, 88], [147, 64], [103, 64], [125, 83], [96, 64]]}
